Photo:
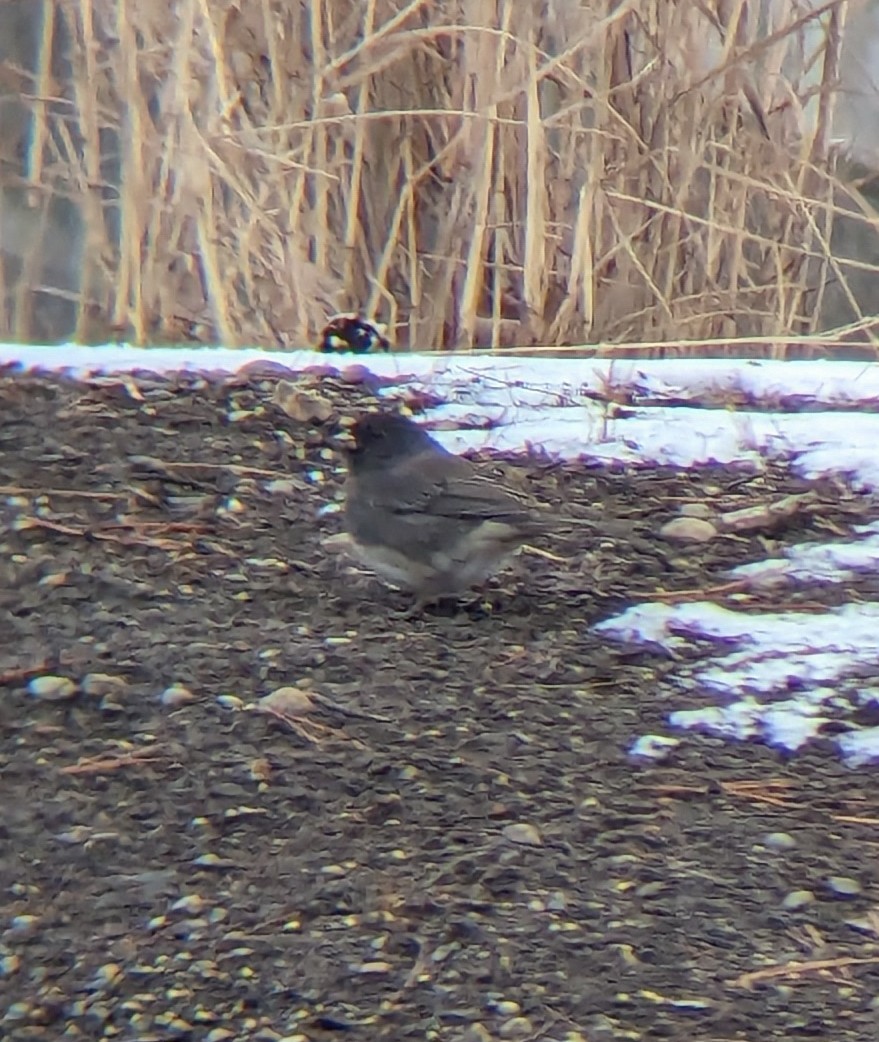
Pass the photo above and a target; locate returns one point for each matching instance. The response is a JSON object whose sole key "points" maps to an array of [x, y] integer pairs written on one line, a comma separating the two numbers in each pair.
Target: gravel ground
{"points": [[435, 832]]}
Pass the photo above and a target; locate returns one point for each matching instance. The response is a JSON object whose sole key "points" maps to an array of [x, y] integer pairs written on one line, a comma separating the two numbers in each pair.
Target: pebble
{"points": [[507, 1007], [99, 685], [291, 701], [653, 747], [219, 1035], [300, 405], [372, 967], [843, 886], [191, 903], [523, 833], [212, 861], [17, 1011], [282, 487], [107, 974], [22, 926], [232, 505], [230, 702], [176, 695], [688, 530], [517, 1027], [701, 510], [52, 688], [779, 841], [797, 899]]}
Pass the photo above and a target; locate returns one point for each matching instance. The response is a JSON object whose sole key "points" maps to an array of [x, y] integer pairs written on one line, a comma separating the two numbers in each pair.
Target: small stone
{"points": [[99, 685], [107, 974], [797, 899], [702, 510], [17, 1011], [99, 1012], [22, 926], [76, 836], [522, 833], [260, 769], [283, 487], [219, 1035], [212, 861], [52, 688], [301, 405], [443, 951], [192, 904], [843, 886], [289, 701], [653, 747], [176, 695], [651, 889], [507, 1007], [375, 967], [517, 1027], [779, 841], [477, 1033], [232, 505], [688, 530], [175, 1023], [230, 702]]}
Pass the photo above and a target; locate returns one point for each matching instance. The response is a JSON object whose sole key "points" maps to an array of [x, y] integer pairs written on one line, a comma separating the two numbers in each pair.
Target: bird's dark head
{"points": [[351, 333], [382, 438]]}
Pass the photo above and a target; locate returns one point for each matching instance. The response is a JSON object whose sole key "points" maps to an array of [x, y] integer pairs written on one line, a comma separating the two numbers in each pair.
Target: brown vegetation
{"points": [[478, 172]]}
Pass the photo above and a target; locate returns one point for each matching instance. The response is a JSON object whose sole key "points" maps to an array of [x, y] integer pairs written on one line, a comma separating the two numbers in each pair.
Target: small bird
{"points": [[349, 333], [424, 519]]}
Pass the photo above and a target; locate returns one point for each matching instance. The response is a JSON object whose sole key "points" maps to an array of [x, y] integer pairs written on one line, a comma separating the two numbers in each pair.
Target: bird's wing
{"points": [[456, 493]]}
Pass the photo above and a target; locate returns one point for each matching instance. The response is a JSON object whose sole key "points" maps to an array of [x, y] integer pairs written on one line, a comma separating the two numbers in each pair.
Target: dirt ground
{"points": [[447, 840]]}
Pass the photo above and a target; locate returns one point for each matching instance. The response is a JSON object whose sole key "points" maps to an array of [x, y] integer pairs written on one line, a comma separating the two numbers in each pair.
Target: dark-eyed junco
{"points": [[424, 519], [351, 333]]}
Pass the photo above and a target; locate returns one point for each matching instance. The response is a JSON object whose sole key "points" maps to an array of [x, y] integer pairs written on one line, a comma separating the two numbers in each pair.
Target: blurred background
{"points": [[473, 173]]}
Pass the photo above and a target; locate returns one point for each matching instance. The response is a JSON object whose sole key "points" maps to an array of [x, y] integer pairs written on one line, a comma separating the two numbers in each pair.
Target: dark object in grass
{"points": [[350, 334]]}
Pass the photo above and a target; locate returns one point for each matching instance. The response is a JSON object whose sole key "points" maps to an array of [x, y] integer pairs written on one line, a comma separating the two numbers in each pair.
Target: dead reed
{"points": [[471, 172]]}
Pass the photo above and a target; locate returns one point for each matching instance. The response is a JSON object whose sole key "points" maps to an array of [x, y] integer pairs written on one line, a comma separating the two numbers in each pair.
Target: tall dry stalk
{"points": [[478, 172]]}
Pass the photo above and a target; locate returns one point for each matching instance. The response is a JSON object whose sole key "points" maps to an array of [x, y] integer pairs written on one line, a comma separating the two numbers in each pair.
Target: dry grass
{"points": [[479, 172]]}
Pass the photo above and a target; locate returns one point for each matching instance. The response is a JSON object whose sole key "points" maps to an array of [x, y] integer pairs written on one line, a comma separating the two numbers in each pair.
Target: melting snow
{"points": [[774, 677]]}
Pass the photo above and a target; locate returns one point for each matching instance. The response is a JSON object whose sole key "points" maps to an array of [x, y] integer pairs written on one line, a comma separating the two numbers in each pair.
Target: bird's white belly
{"points": [[475, 558]]}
